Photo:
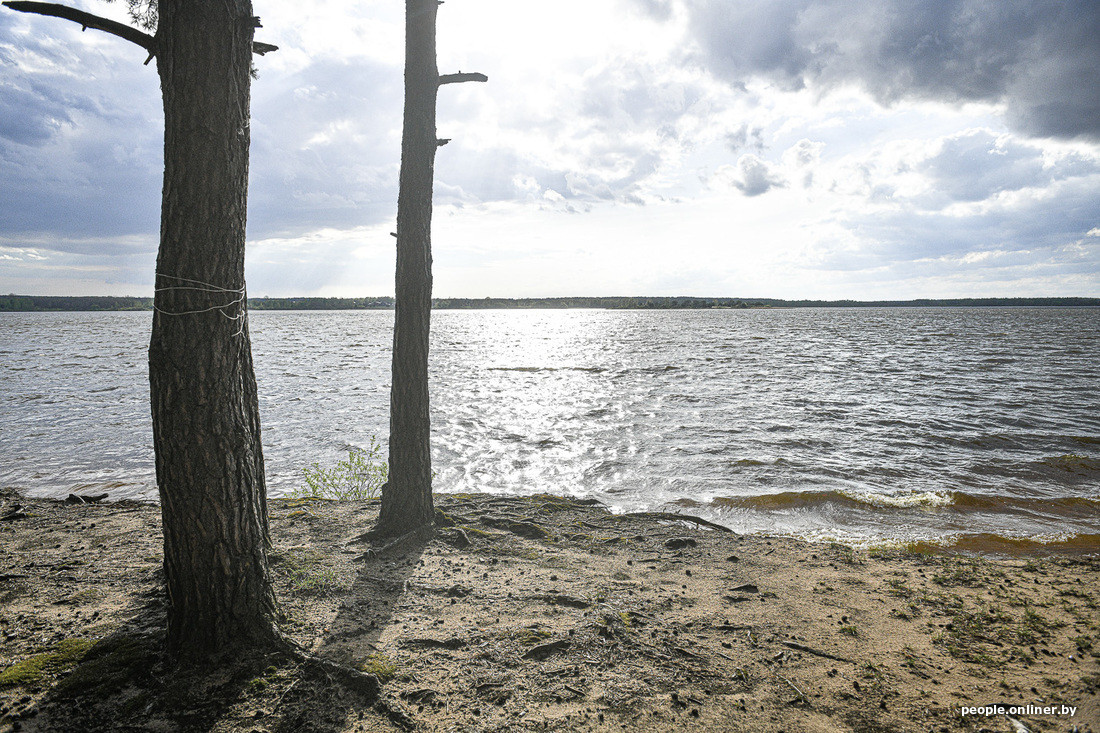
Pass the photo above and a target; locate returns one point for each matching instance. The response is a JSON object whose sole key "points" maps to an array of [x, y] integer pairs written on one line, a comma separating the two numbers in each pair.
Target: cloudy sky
{"points": [[781, 148]]}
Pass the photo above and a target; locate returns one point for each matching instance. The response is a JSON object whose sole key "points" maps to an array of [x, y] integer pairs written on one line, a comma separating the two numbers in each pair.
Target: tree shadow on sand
{"points": [[320, 702], [125, 683]]}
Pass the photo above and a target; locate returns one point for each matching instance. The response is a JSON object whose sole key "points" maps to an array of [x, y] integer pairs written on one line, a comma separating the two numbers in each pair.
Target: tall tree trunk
{"points": [[206, 427], [407, 498]]}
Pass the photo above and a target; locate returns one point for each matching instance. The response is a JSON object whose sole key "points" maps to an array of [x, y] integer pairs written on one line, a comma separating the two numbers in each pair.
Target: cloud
{"points": [[977, 165], [1039, 58], [752, 176], [745, 136], [325, 147], [80, 138], [975, 202], [837, 132]]}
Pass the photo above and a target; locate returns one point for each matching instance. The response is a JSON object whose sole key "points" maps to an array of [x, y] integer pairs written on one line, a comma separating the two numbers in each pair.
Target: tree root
{"points": [[674, 517], [367, 685], [420, 533]]}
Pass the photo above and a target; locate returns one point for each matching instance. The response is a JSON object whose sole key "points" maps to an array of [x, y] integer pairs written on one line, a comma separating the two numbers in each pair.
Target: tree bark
{"points": [[407, 497], [206, 428]]}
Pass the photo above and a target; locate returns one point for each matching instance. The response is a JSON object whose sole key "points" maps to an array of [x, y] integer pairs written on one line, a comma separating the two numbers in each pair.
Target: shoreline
{"points": [[997, 544], [544, 613]]}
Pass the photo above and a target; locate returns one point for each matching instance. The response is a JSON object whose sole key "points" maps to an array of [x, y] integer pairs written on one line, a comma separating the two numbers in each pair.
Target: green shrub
{"points": [[359, 477]]}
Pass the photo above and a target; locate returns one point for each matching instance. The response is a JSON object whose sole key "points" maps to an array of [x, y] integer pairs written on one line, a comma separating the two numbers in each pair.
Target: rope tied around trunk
{"points": [[240, 299]]}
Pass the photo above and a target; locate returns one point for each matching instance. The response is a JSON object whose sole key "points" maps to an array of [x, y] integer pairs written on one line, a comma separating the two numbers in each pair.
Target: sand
{"points": [[543, 613]]}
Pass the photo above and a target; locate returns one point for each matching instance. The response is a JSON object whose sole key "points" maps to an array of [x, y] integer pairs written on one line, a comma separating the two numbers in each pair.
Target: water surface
{"points": [[862, 424]]}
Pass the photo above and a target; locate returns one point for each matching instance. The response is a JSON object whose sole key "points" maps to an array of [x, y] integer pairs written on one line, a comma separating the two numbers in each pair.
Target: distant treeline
{"points": [[114, 303], [74, 303]]}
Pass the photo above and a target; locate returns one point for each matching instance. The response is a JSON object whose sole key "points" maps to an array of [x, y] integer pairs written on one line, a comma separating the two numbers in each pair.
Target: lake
{"points": [[864, 424]]}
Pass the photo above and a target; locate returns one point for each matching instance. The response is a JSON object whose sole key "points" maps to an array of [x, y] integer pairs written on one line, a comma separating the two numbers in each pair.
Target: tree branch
{"points": [[86, 20], [457, 78]]}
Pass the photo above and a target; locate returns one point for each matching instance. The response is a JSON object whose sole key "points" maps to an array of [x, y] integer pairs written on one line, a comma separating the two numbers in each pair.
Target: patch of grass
{"points": [[65, 655], [871, 671], [478, 532], [615, 624], [945, 603], [359, 477], [844, 553], [532, 635], [1037, 624], [959, 571], [1077, 593], [911, 660], [380, 666], [975, 636], [108, 666], [849, 630], [899, 588], [908, 613], [306, 573], [257, 685]]}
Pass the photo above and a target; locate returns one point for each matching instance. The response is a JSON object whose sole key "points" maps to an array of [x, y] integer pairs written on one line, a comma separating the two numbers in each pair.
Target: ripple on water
{"points": [[914, 424]]}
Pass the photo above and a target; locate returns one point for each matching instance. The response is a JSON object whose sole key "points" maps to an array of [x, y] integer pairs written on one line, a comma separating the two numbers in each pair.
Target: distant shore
{"points": [[545, 613], [36, 303]]}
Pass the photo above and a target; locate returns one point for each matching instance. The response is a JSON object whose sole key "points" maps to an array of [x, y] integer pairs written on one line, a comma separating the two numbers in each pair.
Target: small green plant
{"points": [[613, 624], [844, 553], [872, 671], [359, 477], [532, 635], [899, 588], [380, 666]]}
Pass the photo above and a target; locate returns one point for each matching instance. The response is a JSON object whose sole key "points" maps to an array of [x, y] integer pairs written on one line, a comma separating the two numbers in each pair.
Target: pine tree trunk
{"points": [[407, 498], [206, 428]]}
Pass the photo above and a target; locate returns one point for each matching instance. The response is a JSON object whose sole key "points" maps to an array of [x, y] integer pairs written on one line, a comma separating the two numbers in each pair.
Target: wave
{"points": [[1072, 463], [535, 370], [957, 501]]}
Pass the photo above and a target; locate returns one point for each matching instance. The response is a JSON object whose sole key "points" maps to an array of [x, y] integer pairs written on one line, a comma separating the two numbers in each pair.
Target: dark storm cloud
{"points": [[1040, 57], [80, 142]]}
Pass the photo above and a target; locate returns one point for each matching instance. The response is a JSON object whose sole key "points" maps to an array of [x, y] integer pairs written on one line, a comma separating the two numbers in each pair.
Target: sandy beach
{"points": [[544, 613]]}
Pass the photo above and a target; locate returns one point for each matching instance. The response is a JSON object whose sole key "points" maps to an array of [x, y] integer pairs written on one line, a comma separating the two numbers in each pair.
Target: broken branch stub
{"points": [[461, 77]]}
